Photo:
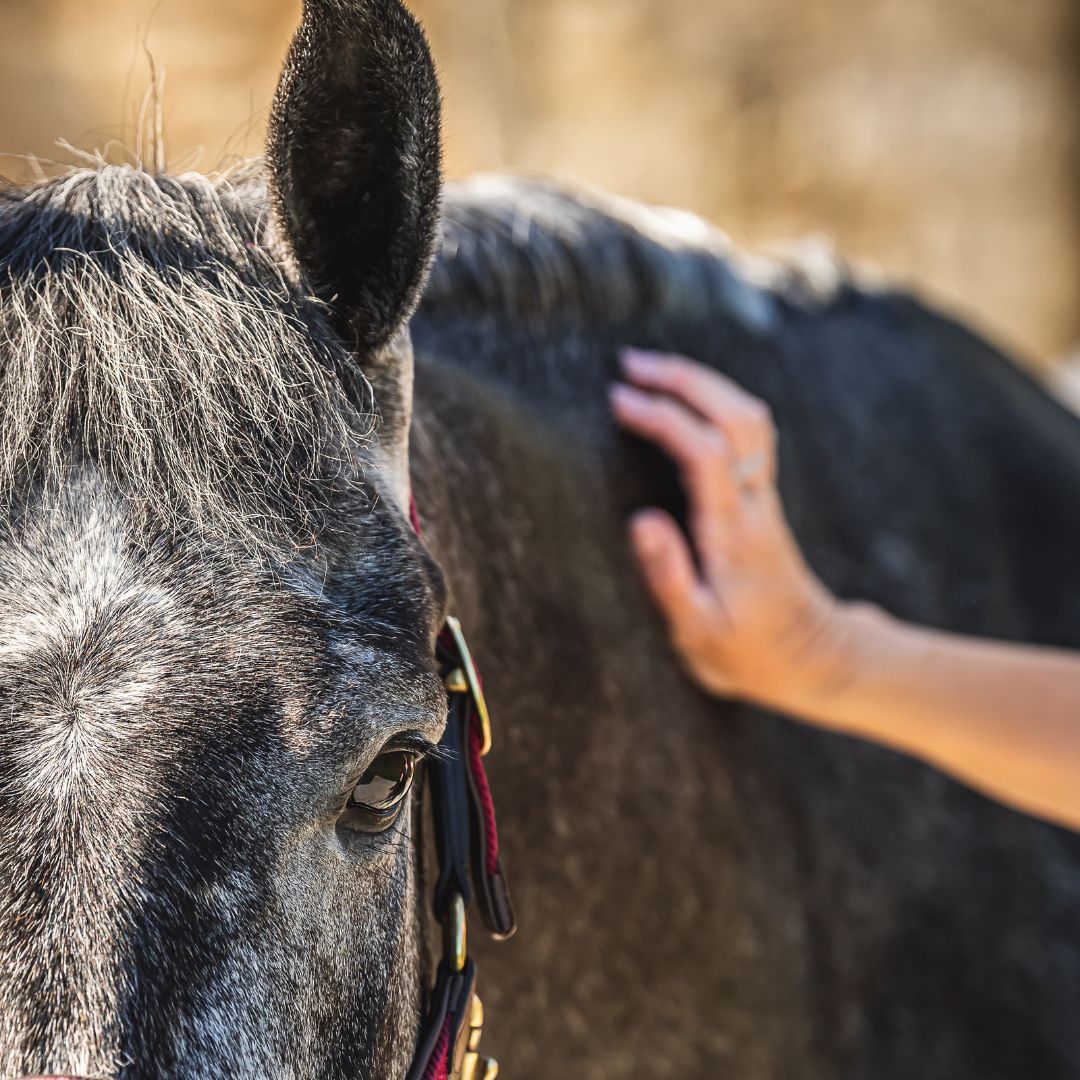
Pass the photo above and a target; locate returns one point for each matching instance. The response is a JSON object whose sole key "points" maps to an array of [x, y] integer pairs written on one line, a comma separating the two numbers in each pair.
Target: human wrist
{"points": [[838, 651]]}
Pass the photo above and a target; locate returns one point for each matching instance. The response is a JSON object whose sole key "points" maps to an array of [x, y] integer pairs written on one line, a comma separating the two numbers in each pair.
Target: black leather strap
{"points": [[450, 803], [450, 1002]]}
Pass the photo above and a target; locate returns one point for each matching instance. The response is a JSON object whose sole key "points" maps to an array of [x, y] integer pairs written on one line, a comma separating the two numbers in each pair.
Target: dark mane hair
{"points": [[535, 249], [147, 326]]}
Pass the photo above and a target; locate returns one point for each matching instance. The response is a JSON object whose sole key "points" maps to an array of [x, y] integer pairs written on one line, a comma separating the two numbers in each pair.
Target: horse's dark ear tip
{"points": [[357, 194]]}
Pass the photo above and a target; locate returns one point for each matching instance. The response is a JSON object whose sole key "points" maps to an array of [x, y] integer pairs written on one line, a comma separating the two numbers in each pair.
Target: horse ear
{"points": [[354, 154]]}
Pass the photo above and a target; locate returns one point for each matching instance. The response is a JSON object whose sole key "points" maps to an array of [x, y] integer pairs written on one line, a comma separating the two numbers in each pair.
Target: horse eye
{"points": [[385, 783]]}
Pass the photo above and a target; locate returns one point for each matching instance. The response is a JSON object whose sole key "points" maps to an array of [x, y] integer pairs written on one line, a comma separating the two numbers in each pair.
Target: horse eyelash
{"points": [[417, 744]]}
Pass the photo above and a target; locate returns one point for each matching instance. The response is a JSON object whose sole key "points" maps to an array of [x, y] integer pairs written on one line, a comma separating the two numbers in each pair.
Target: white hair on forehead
{"points": [[146, 323]]}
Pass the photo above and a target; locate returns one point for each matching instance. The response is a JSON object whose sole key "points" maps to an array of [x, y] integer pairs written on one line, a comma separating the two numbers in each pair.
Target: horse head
{"points": [[217, 626]]}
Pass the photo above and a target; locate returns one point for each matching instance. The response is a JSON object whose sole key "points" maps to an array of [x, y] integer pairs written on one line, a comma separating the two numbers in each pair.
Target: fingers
{"points": [[744, 419], [702, 453], [695, 444], [668, 569]]}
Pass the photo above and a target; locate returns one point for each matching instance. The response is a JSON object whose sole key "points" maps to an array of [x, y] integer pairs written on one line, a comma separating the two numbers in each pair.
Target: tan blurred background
{"points": [[938, 139]]}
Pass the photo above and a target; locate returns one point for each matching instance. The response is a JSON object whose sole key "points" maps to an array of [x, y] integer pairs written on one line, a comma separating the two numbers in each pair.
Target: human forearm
{"points": [[1003, 718]]}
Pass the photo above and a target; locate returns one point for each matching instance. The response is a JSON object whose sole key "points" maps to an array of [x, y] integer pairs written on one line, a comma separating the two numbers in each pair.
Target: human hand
{"points": [[753, 622]]}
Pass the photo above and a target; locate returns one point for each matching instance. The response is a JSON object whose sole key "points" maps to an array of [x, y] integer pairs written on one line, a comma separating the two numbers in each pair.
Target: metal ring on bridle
{"points": [[747, 469]]}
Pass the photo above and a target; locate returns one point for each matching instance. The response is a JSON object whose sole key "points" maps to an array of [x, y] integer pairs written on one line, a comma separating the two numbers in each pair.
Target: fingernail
{"points": [[623, 396], [646, 535], [639, 362]]}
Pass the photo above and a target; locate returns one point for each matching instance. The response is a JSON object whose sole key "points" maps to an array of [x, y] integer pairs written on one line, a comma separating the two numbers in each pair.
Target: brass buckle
{"points": [[465, 680], [473, 1065], [466, 1063], [455, 936]]}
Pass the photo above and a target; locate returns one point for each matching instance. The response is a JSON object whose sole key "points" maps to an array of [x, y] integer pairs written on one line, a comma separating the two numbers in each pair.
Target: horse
{"points": [[227, 404]]}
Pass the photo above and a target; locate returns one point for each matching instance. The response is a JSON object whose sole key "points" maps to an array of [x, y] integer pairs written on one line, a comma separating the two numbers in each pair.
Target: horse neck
{"points": [[511, 504], [461, 486]]}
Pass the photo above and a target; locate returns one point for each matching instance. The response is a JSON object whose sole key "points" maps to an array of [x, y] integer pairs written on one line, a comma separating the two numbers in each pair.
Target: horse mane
{"points": [[540, 249], [147, 325]]}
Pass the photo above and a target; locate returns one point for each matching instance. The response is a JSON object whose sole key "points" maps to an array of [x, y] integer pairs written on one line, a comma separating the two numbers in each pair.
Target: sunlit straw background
{"points": [[938, 139]]}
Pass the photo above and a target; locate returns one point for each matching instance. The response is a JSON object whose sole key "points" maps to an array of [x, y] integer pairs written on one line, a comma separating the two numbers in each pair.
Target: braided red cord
{"points": [[438, 1068], [483, 791]]}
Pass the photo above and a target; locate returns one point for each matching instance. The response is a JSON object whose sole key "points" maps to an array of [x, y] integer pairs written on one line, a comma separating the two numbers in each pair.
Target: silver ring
{"points": [[747, 468]]}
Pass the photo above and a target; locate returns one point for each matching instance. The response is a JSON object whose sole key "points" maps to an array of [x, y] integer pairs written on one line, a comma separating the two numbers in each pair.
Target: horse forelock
{"points": [[148, 323]]}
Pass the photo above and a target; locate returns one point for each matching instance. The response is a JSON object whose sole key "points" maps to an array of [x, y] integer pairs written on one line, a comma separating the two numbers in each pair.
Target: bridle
{"points": [[467, 848]]}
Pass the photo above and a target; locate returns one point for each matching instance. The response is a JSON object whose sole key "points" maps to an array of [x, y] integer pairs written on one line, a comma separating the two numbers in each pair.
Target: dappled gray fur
{"points": [[175, 899]]}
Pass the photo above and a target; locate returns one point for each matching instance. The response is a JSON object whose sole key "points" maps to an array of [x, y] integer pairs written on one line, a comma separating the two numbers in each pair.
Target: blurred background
{"points": [[937, 139]]}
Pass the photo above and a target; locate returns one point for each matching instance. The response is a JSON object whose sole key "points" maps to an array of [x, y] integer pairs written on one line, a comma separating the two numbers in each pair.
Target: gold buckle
{"points": [[465, 680], [467, 1045], [455, 938], [473, 1066]]}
